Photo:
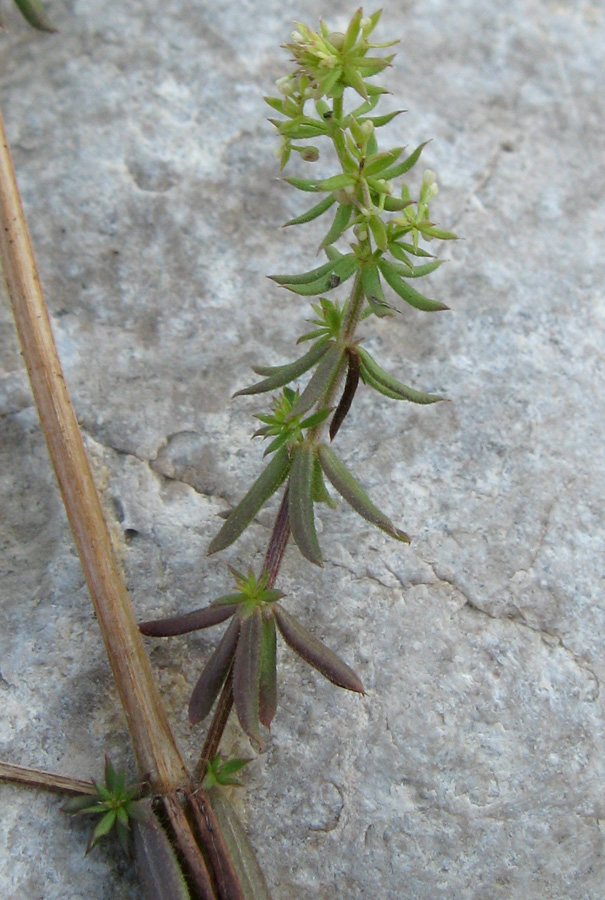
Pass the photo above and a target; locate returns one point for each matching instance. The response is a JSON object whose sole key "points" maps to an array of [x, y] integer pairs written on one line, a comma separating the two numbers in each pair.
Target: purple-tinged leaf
{"points": [[156, 861], [250, 876], [269, 481], [348, 393], [349, 488], [300, 503], [199, 618], [316, 653], [246, 676], [214, 674], [267, 694]]}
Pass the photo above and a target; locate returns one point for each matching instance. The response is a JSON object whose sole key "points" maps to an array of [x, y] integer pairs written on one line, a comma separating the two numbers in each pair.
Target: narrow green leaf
{"points": [[406, 292], [311, 335], [214, 674], [250, 876], [80, 805], [304, 277], [316, 653], [401, 391], [407, 163], [399, 253], [320, 491], [321, 286], [199, 618], [394, 204], [378, 232], [344, 268], [233, 765], [327, 370], [340, 223], [267, 694], [102, 828], [156, 861], [372, 288], [246, 675], [279, 441], [34, 13], [303, 184], [300, 503], [316, 418], [352, 31], [288, 373], [426, 269], [349, 488], [379, 121], [275, 103], [364, 108], [313, 213], [377, 163], [314, 354], [352, 77], [371, 382], [438, 233], [263, 488], [335, 183], [415, 251]]}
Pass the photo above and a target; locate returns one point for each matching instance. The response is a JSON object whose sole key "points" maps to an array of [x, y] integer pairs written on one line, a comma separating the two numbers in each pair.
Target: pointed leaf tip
{"points": [[316, 653], [214, 674]]}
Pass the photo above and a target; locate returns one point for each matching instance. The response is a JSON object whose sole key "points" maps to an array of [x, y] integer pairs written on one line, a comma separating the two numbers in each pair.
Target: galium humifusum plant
{"points": [[375, 243], [374, 248]]}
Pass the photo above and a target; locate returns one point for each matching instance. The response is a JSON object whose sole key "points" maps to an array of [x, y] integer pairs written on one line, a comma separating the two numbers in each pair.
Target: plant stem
{"points": [[279, 537], [45, 780], [216, 729], [154, 747]]}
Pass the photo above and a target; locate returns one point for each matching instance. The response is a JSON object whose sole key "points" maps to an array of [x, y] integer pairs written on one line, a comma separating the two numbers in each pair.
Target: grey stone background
{"points": [[474, 767]]}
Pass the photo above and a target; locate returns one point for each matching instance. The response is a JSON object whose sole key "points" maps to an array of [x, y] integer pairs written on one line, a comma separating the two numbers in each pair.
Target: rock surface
{"points": [[473, 769]]}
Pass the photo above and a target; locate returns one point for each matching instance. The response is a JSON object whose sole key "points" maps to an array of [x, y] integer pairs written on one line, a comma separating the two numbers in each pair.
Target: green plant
{"points": [[34, 13], [384, 228]]}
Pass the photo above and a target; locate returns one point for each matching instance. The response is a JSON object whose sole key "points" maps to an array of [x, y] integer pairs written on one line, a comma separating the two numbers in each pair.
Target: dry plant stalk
{"points": [[155, 750]]}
